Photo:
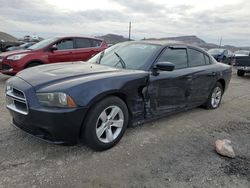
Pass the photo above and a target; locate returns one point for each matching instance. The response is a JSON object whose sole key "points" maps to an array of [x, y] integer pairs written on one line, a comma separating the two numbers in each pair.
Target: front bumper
{"points": [[58, 127], [7, 67]]}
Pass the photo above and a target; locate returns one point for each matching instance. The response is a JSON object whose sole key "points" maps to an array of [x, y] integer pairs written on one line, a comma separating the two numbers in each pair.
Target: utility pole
{"points": [[220, 41], [129, 31]]}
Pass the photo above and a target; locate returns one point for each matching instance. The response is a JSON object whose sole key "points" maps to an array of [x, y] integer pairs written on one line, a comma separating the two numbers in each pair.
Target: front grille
{"points": [[4, 66], [16, 101]]}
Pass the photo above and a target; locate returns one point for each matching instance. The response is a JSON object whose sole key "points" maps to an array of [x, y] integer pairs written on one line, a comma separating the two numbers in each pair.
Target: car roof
{"points": [[165, 43], [218, 49], [64, 37]]}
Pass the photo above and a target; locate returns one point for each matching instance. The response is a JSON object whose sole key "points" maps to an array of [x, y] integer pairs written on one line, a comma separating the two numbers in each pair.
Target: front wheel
{"points": [[215, 97], [240, 72], [34, 64], [106, 123]]}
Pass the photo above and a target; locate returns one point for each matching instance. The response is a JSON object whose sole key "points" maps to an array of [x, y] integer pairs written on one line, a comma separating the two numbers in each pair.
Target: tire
{"points": [[240, 73], [33, 64], [215, 97], [111, 129]]}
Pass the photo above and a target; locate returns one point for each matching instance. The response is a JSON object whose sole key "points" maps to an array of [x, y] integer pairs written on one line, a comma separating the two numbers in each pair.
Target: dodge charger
{"points": [[127, 84]]}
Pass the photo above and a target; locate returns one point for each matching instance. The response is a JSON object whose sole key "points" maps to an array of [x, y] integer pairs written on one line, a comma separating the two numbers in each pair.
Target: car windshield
{"points": [[216, 51], [242, 52], [126, 55], [42, 44]]}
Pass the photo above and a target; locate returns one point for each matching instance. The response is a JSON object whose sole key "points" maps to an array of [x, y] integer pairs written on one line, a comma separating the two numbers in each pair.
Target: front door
{"points": [[169, 91], [63, 52]]}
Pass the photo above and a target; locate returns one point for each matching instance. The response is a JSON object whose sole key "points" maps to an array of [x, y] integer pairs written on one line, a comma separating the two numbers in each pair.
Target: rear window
{"points": [[207, 59], [83, 43], [196, 58], [96, 43]]}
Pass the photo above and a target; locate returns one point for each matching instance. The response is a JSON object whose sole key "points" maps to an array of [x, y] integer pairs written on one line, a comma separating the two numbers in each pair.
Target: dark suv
{"points": [[52, 50]]}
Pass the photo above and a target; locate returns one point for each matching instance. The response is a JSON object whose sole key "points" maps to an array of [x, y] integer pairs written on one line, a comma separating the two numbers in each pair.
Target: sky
{"points": [[209, 20]]}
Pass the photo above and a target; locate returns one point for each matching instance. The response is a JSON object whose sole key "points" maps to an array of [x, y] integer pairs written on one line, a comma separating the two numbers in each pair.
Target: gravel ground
{"points": [[177, 151]]}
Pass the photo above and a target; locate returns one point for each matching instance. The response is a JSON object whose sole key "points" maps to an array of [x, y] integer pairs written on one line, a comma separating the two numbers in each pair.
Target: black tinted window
{"points": [[83, 43], [65, 44], [196, 58], [176, 56], [207, 59], [96, 43]]}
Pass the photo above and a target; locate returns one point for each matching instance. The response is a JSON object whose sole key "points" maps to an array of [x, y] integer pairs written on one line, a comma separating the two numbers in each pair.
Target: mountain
{"points": [[189, 39], [113, 38], [186, 39], [194, 40], [4, 37]]}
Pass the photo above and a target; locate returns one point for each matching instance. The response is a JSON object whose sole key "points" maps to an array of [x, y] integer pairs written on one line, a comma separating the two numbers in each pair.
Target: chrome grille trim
{"points": [[12, 101]]}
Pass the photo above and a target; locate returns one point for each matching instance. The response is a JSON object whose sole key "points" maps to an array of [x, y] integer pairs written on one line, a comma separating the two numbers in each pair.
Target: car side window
{"points": [[207, 59], [83, 43], [96, 43], [65, 44], [176, 56], [196, 58]]}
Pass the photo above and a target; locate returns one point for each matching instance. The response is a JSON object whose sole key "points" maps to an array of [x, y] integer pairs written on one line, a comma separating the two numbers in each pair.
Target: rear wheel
{"points": [[240, 72], [215, 97], [106, 123]]}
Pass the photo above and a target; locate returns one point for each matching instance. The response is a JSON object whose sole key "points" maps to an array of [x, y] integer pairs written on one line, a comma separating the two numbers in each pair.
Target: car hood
{"points": [[21, 51], [47, 75]]}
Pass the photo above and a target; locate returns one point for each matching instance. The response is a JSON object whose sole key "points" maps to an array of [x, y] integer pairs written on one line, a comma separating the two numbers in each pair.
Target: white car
{"points": [[242, 53]]}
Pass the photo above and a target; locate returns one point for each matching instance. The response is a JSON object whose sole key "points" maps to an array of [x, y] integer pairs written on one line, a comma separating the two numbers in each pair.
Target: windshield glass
{"points": [[42, 44], [242, 52], [216, 51], [126, 55]]}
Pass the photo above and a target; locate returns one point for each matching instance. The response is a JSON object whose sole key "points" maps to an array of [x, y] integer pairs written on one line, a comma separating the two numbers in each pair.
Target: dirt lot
{"points": [[176, 151]]}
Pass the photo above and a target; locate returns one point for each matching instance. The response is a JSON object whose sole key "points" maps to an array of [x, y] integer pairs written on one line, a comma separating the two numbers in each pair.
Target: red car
{"points": [[52, 50]]}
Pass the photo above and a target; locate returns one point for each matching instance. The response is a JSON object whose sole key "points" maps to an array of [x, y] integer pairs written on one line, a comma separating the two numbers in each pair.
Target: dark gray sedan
{"points": [[128, 83]]}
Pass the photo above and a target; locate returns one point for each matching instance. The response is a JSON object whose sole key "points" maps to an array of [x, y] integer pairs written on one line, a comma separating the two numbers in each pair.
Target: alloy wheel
{"points": [[109, 124], [216, 97]]}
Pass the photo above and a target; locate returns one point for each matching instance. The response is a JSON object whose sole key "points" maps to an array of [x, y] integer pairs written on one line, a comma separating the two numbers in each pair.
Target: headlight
{"points": [[16, 57], [57, 99]]}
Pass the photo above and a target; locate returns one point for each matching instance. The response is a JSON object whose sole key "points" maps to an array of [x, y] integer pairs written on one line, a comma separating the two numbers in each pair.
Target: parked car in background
{"points": [[128, 83], [21, 47], [242, 64], [222, 55], [6, 44], [52, 50], [241, 53]]}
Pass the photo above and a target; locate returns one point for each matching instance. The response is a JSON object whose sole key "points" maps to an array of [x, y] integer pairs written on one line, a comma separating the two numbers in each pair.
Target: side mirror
{"points": [[165, 66], [53, 48]]}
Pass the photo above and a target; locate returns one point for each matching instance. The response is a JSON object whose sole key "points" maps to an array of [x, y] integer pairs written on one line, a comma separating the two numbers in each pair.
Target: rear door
{"points": [[169, 91], [64, 51], [203, 77], [85, 48]]}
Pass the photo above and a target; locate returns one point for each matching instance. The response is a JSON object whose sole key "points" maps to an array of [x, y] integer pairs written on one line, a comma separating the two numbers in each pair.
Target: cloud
{"points": [[149, 19]]}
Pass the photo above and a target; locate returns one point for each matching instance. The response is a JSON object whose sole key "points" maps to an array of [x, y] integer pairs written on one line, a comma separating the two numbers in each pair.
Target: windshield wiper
{"points": [[120, 60]]}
